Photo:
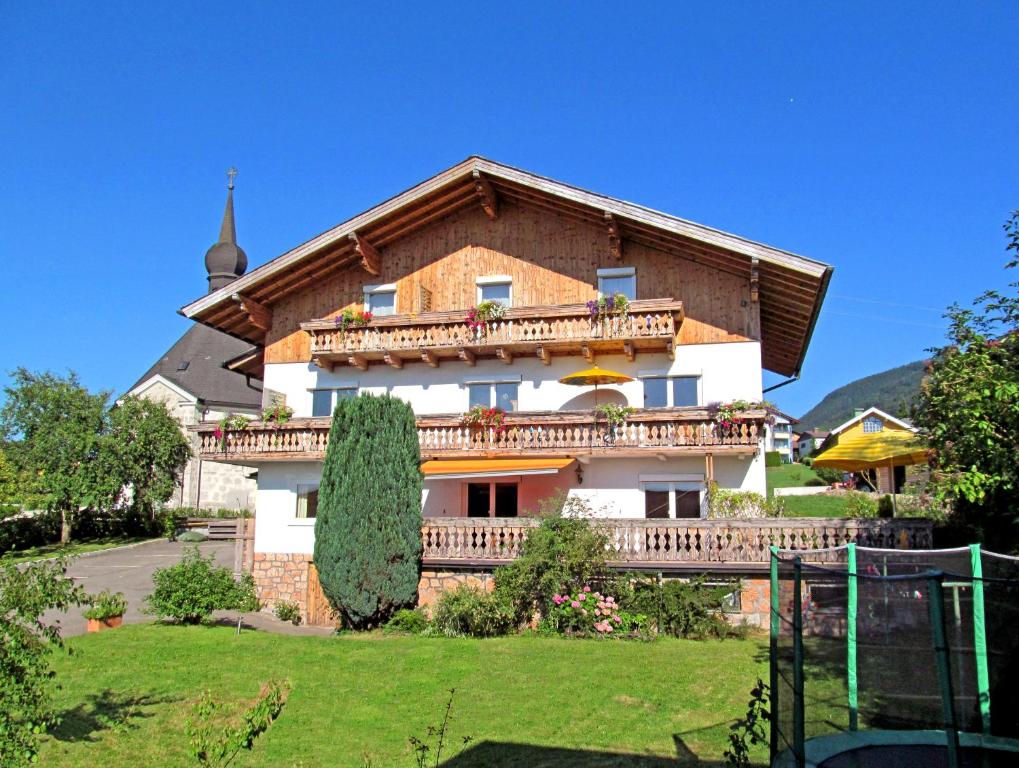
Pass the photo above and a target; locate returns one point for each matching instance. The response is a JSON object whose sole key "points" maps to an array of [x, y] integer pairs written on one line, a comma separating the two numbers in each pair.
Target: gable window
{"points": [[380, 300], [323, 401], [307, 502], [873, 424], [667, 500], [671, 391], [618, 280], [494, 394], [497, 288]]}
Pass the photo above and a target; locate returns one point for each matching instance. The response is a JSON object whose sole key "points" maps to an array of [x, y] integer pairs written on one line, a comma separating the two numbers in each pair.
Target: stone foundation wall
{"points": [[285, 577], [434, 582], [281, 576]]}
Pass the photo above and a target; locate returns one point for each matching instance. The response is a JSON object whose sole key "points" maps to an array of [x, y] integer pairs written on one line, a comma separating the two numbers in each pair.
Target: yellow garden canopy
{"points": [[466, 468], [595, 376], [871, 450]]}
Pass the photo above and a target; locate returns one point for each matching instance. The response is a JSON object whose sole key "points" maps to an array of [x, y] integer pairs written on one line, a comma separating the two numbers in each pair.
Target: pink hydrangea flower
{"points": [[617, 619], [575, 604], [587, 589]]}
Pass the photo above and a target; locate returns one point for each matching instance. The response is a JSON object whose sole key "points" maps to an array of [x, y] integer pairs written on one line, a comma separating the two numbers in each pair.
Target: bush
{"points": [[288, 610], [368, 527], [772, 459], [223, 513], [18, 533], [742, 505], [860, 505], [828, 474], [106, 605], [691, 609], [560, 554], [192, 537], [469, 612], [589, 612], [191, 590], [408, 621]]}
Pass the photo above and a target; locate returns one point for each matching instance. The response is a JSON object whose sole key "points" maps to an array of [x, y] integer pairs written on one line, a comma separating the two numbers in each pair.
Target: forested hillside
{"points": [[891, 391]]}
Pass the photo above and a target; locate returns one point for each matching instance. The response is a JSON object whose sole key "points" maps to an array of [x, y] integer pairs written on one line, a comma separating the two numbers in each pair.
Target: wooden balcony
{"points": [[665, 431], [432, 337], [663, 544]]}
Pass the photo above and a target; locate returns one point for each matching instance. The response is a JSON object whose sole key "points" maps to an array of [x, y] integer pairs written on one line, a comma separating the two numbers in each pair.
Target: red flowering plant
{"points": [[231, 421], [348, 318], [480, 417], [729, 415], [277, 414], [480, 316]]}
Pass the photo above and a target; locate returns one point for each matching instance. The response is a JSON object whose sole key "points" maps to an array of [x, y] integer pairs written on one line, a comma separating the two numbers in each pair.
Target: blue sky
{"points": [[879, 139]]}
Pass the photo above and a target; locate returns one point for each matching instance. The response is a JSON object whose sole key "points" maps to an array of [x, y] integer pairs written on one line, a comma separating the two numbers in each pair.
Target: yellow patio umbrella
{"points": [[595, 376], [873, 450]]}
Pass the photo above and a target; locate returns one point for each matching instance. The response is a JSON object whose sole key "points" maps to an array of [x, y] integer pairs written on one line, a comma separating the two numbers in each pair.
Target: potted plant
{"points": [[348, 318], [277, 414], [480, 316], [615, 416], [106, 611], [227, 423], [482, 419], [605, 308]]}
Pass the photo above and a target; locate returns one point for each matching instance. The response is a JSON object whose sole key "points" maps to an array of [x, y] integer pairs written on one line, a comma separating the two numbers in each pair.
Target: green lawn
{"points": [[791, 476], [74, 548], [529, 701], [822, 505]]}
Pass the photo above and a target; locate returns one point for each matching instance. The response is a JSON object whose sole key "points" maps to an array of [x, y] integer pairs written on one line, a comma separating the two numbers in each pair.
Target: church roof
{"points": [[195, 364]]}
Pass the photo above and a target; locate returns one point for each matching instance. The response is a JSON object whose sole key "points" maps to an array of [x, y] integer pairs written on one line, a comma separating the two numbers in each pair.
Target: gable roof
{"points": [[791, 287], [874, 412], [205, 350]]}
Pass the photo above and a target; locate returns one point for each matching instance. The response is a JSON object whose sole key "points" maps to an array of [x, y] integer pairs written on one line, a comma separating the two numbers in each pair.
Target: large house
{"points": [[778, 435], [704, 313]]}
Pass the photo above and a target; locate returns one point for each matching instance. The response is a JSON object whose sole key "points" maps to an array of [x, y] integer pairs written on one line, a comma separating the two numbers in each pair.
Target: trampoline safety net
{"points": [[914, 640]]}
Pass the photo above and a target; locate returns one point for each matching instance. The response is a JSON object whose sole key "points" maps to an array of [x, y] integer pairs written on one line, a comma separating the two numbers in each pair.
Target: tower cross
{"points": [[231, 174]]}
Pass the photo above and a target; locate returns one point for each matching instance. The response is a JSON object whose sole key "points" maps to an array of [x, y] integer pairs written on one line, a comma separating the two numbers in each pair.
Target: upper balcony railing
{"points": [[535, 434], [430, 337]]}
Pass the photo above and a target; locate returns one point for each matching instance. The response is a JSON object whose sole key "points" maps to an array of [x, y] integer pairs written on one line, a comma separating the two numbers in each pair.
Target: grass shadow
{"points": [[107, 710], [495, 754]]}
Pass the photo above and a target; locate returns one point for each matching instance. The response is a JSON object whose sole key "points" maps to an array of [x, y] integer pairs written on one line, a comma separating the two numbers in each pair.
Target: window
{"points": [[497, 288], [672, 499], [873, 424], [671, 391], [307, 501], [491, 499], [323, 401], [380, 300], [619, 280], [493, 394]]}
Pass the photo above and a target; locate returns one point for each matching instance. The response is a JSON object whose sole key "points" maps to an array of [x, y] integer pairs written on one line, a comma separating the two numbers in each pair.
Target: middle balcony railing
{"points": [[538, 434]]}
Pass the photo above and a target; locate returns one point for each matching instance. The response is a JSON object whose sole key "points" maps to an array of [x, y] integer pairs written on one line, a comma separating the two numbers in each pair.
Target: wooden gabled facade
{"points": [[481, 217]]}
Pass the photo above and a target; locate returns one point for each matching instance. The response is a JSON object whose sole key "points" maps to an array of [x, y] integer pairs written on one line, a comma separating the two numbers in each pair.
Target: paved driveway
{"points": [[129, 570]]}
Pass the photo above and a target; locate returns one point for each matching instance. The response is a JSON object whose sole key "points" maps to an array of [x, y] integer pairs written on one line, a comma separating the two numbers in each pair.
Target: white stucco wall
{"points": [[610, 486], [727, 371]]}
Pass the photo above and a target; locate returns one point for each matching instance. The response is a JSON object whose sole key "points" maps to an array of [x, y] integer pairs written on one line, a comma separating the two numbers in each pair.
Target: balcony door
{"points": [[491, 499]]}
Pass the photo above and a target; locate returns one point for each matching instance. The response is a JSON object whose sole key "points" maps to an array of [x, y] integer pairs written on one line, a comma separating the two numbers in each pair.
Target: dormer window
{"points": [[497, 288], [873, 424], [618, 280], [380, 300]]}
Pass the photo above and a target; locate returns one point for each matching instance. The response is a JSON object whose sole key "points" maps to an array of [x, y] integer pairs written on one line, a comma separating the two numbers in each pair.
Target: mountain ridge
{"points": [[892, 391]]}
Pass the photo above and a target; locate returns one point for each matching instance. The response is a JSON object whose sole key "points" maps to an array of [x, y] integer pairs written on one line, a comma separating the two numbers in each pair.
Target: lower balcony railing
{"points": [[645, 542], [561, 433]]}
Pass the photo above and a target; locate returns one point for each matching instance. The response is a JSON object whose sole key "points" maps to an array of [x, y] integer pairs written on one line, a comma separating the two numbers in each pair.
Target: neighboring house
{"points": [[870, 421], [778, 436], [808, 442], [204, 376], [708, 312]]}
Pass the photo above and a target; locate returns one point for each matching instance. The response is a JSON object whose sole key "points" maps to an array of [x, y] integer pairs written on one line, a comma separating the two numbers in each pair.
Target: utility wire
{"points": [[886, 303], [884, 319]]}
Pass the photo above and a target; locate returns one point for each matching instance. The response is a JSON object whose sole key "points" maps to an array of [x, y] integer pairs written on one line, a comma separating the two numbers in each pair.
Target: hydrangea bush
{"points": [[589, 612]]}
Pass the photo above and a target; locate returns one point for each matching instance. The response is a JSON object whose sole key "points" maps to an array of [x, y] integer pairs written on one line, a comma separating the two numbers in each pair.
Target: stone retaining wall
{"points": [[281, 576]]}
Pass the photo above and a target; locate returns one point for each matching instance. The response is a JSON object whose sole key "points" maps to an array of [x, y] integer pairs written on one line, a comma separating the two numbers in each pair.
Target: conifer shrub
{"points": [[368, 527]]}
